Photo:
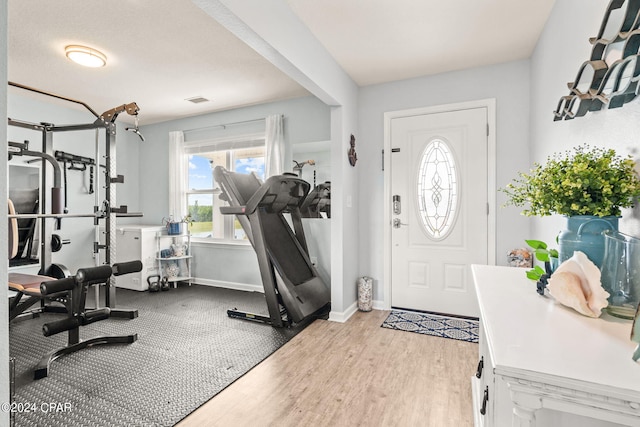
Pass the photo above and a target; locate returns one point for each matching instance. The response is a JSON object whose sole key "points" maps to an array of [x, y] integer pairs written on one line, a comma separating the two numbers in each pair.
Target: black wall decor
{"points": [[352, 155], [602, 83]]}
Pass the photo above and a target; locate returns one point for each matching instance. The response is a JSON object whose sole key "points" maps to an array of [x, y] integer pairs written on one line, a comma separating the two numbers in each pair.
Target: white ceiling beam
{"points": [[272, 29]]}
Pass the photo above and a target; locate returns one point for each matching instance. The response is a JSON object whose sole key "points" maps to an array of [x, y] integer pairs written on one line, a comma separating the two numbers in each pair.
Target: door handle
{"points": [[485, 399], [480, 367], [397, 223]]}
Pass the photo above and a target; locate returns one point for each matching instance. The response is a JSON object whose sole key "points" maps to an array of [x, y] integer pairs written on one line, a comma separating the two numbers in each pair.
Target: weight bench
{"points": [[71, 292], [293, 290], [27, 289]]}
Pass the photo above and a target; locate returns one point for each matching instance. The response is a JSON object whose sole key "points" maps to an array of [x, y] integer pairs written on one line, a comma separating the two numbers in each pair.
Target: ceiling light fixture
{"points": [[86, 56]]}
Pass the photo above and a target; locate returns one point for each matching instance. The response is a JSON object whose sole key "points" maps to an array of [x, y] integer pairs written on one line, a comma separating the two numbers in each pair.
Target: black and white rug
{"points": [[432, 324], [187, 351]]}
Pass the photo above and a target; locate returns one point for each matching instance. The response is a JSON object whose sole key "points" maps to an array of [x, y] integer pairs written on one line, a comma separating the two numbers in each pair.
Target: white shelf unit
{"points": [[165, 241]]}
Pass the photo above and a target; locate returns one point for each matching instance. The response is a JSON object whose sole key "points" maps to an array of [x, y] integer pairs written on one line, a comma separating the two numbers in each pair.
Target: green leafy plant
{"points": [[585, 181], [541, 253]]}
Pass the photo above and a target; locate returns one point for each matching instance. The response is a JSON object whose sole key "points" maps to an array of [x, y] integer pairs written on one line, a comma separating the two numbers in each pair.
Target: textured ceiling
{"points": [[159, 52], [377, 41], [162, 52]]}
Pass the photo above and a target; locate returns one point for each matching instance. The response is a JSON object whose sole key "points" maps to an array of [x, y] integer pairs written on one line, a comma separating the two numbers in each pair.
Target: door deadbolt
{"points": [[396, 205]]}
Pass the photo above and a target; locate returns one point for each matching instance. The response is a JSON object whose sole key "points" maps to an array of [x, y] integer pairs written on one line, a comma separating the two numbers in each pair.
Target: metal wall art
{"points": [[609, 79], [353, 157]]}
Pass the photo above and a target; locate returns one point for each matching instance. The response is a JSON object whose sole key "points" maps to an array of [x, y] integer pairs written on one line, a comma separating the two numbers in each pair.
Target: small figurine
{"points": [[520, 258], [353, 157], [635, 334], [179, 249]]}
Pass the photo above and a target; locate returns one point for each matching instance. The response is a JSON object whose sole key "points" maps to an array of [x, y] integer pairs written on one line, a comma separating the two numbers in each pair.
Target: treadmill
{"points": [[293, 290]]}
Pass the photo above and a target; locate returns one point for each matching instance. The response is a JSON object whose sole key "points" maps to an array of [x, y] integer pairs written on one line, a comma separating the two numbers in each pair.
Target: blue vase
{"points": [[585, 234]]}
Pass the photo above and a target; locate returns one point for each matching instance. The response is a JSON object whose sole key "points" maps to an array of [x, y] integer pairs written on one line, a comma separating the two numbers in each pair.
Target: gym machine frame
{"points": [[104, 121]]}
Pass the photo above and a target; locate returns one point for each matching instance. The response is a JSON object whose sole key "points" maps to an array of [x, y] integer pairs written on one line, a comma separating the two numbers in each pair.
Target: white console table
{"points": [[543, 364]]}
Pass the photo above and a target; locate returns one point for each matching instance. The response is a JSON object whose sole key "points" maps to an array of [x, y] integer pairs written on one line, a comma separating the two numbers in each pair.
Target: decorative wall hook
{"points": [[353, 157]]}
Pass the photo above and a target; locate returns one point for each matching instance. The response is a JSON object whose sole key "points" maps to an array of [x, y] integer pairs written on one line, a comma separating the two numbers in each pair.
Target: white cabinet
{"points": [[546, 365], [137, 242], [173, 254]]}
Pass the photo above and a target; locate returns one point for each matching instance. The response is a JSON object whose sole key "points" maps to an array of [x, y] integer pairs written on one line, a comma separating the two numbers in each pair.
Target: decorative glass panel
{"points": [[437, 189]]}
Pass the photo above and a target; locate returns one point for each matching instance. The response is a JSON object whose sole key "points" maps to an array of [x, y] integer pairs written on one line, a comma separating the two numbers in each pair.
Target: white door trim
{"points": [[490, 105]]}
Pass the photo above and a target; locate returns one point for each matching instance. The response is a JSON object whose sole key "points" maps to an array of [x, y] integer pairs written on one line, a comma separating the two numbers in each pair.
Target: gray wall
{"points": [[306, 120], [562, 48], [507, 83], [4, 311]]}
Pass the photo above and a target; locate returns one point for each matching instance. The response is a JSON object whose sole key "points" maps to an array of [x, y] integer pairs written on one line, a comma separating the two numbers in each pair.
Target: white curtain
{"points": [[177, 175], [274, 156]]}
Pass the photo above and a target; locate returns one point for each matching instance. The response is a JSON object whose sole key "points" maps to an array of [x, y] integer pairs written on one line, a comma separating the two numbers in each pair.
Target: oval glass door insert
{"points": [[437, 187]]}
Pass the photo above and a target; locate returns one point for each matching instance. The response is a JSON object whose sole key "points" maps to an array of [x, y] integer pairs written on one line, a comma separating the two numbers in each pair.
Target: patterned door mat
{"points": [[432, 324]]}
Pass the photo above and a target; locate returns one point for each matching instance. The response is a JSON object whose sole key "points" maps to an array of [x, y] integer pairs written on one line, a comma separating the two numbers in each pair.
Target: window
{"points": [[202, 192], [437, 189]]}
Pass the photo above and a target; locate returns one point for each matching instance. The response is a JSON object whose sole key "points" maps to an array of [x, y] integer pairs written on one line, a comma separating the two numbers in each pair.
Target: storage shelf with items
{"points": [[174, 257]]}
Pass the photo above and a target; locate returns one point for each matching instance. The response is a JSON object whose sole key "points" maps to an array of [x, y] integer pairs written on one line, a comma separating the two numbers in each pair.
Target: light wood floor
{"points": [[351, 374]]}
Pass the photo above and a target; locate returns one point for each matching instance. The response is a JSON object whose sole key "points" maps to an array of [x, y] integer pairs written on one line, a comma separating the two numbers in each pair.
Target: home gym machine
{"points": [[106, 209], [293, 290], [318, 202]]}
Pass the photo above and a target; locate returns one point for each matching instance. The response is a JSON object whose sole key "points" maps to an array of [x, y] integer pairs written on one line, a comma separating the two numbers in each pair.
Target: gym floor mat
{"points": [[187, 351]]}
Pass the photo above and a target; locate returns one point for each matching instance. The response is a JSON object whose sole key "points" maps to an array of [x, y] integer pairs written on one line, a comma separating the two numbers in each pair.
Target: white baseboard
{"points": [[230, 285], [342, 317], [334, 316]]}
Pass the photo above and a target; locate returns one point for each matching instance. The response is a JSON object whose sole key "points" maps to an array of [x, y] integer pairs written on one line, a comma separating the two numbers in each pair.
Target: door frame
{"points": [[490, 105]]}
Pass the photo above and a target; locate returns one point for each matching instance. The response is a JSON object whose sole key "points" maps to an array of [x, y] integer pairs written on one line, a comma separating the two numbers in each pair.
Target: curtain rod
{"points": [[223, 125]]}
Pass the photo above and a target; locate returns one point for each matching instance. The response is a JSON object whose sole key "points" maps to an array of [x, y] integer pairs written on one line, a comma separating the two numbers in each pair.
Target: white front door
{"points": [[439, 218]]}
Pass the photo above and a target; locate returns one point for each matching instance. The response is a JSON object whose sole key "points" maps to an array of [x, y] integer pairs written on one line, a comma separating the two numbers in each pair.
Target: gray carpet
{"points": [[187, 351]]}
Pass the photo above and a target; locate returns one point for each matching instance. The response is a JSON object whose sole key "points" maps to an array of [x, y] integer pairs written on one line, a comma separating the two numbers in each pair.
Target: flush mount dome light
{"points": [[86, 56]]}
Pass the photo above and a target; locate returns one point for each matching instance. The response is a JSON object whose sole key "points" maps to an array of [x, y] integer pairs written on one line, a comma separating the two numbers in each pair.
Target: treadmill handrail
{"points": [[255, 201], [232, 210]]}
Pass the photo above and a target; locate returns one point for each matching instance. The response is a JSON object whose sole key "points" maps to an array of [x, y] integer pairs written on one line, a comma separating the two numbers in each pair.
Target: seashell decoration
{"points": [[576, 284]]}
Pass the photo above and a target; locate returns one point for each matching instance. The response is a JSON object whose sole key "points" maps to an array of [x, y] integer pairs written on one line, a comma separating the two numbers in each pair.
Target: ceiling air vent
{"points": [[197, 99]]}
